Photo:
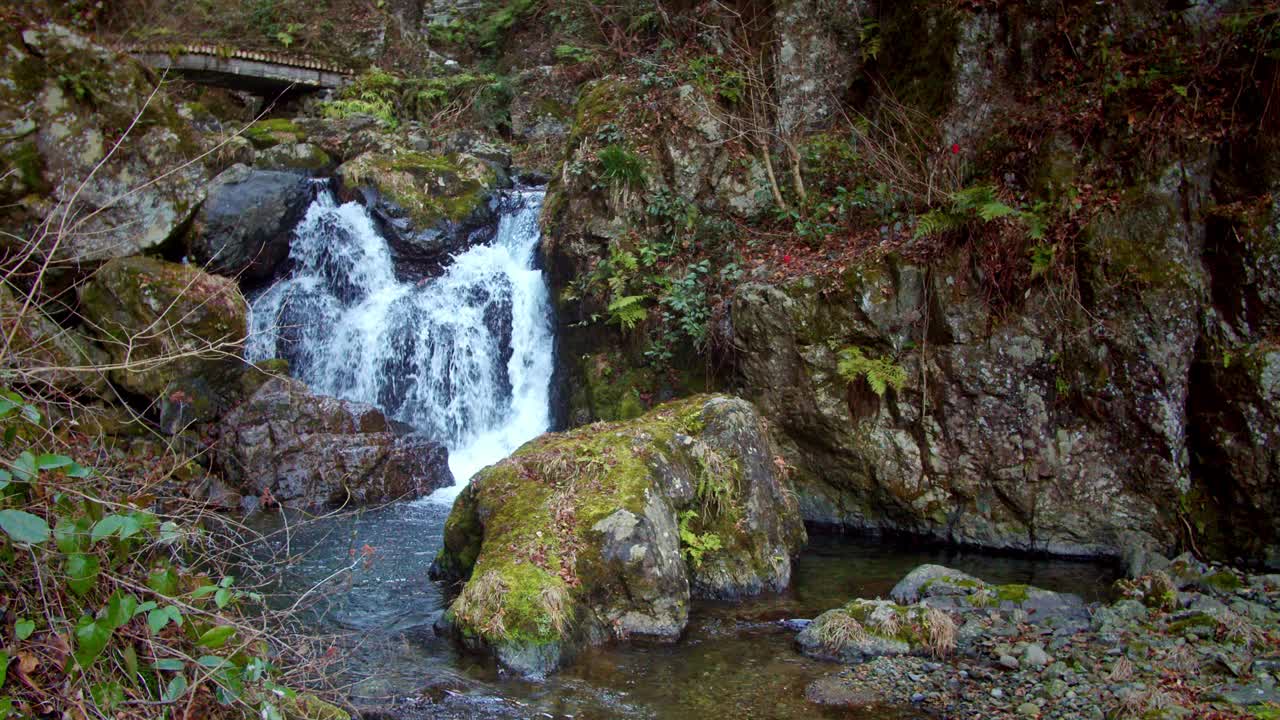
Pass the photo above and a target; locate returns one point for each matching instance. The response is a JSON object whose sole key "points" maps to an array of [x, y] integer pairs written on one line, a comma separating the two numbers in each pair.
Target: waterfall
{"points": [[465, 358]]}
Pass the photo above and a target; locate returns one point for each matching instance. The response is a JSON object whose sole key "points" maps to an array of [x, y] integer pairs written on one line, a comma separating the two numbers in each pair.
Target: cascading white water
{"points": [[465, 357]]}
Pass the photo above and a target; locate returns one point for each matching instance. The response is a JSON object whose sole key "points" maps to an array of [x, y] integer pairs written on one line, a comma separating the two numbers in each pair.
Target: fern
{"points": [[937, 222], [695, 545], [995, 209], [869, 38], [880, 373], [628, 311]]}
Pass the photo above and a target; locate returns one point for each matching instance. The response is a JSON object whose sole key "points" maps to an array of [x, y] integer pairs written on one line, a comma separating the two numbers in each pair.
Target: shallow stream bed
{"points": [[736, 660]]}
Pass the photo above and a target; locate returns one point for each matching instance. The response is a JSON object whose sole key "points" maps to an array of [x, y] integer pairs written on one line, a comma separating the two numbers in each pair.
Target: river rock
{"points": [[866, 629], [63, 103], [242, 229], [429, 206], [945, 588], [316, 452], [176, 330], [607, 532]]}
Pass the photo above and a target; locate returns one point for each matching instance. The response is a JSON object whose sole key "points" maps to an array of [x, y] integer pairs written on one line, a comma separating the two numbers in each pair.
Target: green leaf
{"points": [[70, 535], [176, 687], [212, 661], [169, 532], [76, 470], [145, 607], [23, 628], [52, 462], [120, 609], [5, 478], [91, 639], [164, 582], [222, 597], [216, 637], [24, 466], [10, 434], [204, 591], [23, 527], [169, 664], [992, 210], [4, 666], [107, 526], [131, 661], [82, 572], [157, 619], [107, 694]]}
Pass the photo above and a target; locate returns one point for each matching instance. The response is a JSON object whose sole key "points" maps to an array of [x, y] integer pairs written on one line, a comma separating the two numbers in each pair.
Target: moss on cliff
{"points": [[429, 188]]}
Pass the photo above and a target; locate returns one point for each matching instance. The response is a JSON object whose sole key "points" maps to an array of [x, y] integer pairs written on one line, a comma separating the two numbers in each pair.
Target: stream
{"points": [[467, 358]]}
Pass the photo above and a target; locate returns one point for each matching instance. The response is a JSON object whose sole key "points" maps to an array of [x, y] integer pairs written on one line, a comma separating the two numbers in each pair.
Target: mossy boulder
{"points": [[945, 588], [303, 157], [606, 532], [429, 205], [275, 131], [65, 103], [173, 329]]}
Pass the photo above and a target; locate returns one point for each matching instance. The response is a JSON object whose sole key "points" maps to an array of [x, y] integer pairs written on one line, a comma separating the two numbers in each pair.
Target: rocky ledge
{"points": [[1190, 640], [606, 532]]}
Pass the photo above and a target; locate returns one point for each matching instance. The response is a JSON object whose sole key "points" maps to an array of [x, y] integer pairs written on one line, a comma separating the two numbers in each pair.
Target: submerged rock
{"points": [[315, 452], [608, 531], [243, 228]]}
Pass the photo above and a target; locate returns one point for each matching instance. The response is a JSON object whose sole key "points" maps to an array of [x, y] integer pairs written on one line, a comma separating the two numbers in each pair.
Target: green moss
{"points": [[1197, 620], [1223, 580], [268, 133], [430, 188], [1011, 593]]}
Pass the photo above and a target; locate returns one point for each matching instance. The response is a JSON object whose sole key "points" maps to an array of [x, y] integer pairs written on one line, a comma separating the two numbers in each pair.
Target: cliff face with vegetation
{"points": [[1003, 274]]}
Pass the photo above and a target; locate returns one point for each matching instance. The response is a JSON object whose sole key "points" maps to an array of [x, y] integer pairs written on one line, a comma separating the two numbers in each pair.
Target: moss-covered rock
{"points": [[64, 105], [275, 131], [429, 205], [943, 587], [866, 629], [609, 530], [171, 328]]}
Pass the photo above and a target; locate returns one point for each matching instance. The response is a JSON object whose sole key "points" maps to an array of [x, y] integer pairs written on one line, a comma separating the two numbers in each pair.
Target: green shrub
{"points": [[621, 167]]}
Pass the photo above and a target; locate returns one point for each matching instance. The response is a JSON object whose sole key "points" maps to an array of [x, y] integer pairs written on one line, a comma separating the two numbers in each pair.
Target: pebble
{"points": [[997, 693], [917, 697], [1029, 709], [1008, 662]]}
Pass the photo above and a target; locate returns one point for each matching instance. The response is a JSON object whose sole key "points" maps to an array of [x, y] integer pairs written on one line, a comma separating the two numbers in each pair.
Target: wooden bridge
{"points": [[261, 73]]}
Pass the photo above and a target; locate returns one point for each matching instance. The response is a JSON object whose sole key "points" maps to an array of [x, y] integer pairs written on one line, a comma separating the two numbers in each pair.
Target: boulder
{"points": [[608, 531], [64, 103], [42, 352], [175, 329], [315, 452], [944, 588], [303, 157], [429, 206], [243, 228]]}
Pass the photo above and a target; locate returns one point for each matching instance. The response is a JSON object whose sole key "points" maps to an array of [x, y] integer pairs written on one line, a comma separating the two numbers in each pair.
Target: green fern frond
{"points": [[881, 373], [936, 222], [628, 311], [973, 197], [995, 209]]}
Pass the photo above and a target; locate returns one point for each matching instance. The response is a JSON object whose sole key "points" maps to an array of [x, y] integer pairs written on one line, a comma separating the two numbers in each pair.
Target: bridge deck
{"points": [[244, 70]]}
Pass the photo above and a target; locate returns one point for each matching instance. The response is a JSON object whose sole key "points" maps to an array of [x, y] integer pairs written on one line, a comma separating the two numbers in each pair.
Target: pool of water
{"points": [[736, 660]]}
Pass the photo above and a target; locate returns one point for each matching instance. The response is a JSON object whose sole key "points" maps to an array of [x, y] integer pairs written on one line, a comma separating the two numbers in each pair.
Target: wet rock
{"points": [[303, 157], [611, 529], [314, 452], [175, 329], [866, 629], [243, 228], [63, 102], [429, 205]]}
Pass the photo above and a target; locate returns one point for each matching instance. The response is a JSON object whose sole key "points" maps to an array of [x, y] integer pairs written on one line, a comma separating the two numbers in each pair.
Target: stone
{"points": [[175, 330], [429, 206], [43, 353], [1034, 656], [304, 157], [313, 452], [830, 690], [243, 228], [612, 529], [63, 102], [1029, 709]]}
